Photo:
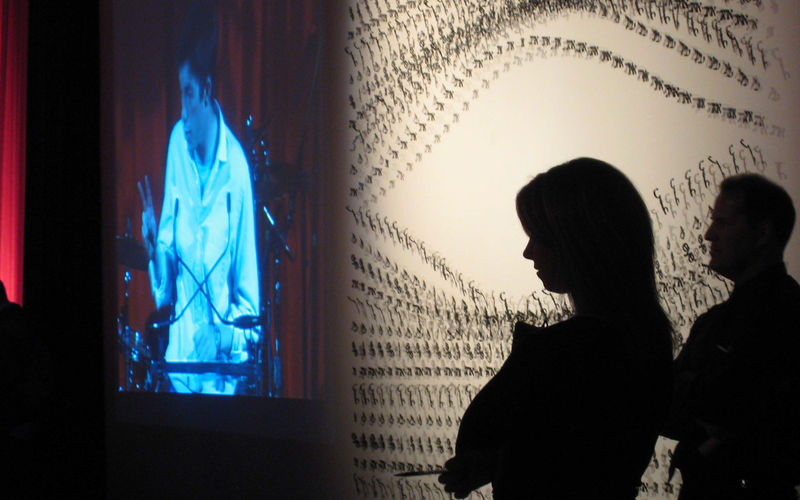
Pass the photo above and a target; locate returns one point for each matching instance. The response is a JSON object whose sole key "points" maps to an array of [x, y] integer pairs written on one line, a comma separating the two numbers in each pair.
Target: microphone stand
{"points": [[276, 243]]}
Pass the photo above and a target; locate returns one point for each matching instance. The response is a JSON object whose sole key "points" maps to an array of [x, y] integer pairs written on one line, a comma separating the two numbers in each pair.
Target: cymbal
{"points": [[131, 253]]}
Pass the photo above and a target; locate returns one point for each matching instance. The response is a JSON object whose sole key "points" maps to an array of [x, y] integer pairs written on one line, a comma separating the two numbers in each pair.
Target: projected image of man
{"points": [[203, 250]]}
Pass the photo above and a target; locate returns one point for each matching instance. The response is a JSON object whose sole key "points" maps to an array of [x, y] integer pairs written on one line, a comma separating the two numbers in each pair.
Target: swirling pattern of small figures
{"points": [[423, 347]]}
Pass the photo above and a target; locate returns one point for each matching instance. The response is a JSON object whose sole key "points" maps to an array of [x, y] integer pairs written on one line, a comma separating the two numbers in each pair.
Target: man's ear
{"points": [[765, 231], [206, 90]]}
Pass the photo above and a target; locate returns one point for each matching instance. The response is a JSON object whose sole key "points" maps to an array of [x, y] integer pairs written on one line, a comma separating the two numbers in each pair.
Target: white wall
{"points": [[440, 145]]}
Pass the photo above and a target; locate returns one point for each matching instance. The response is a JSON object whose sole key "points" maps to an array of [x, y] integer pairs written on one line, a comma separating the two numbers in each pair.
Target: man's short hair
{"points": [[763, 200], [197, 44]]}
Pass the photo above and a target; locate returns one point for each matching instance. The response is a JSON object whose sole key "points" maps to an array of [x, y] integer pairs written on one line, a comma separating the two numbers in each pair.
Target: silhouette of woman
{"points": [[576, 408]]}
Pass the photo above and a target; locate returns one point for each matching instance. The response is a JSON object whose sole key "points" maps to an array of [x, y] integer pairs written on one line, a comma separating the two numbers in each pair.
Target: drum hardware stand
{"points": [[124, 331], [271, 181], [131, 255]]}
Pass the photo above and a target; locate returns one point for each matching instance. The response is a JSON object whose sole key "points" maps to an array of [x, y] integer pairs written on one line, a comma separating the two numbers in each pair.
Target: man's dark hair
{"points": [[197, 44], [763, 200]]}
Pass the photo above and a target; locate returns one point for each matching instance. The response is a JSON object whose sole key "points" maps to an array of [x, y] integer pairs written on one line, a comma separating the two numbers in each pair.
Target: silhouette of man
{"points": [[736, 407]]}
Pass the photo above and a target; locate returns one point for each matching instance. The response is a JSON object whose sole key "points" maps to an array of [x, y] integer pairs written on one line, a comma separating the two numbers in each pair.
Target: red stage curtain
{"points": [[13, 81], [265, 66]]}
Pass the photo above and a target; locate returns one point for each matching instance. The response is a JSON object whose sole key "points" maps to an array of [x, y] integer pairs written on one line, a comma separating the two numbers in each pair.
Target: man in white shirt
{"points": [[203, 251]]}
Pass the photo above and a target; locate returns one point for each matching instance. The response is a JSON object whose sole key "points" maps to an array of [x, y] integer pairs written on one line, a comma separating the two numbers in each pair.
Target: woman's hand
{"points": [[466, 472]]}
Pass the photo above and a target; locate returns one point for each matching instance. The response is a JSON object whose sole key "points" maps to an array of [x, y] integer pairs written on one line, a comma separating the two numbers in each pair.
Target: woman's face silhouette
{"points": [[546, 262]]}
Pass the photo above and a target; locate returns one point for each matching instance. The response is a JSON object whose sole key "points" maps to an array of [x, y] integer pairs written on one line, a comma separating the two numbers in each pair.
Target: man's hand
{"points": [[716, 437], [464, 473], [205, 343], [149, 226], [212, 340]]}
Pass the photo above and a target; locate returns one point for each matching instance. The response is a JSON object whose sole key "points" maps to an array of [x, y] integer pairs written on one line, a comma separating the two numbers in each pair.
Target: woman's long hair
{"points": [[594, 219]]}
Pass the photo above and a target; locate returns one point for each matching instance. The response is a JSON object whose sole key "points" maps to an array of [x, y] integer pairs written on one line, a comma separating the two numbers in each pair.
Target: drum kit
{"points": [[145, 368]]}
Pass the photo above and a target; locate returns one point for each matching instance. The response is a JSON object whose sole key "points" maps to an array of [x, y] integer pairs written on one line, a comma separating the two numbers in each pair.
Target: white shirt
{"points": [[209, 234]]}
